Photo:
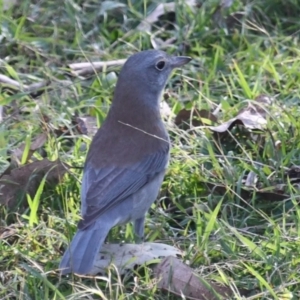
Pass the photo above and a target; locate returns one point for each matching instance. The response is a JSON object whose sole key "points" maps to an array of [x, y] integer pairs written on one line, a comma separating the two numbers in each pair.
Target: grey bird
{"points": [[127, 159]]}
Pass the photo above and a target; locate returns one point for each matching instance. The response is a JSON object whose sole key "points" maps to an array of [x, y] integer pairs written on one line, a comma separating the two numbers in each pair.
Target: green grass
{"points": [[243, 239]]}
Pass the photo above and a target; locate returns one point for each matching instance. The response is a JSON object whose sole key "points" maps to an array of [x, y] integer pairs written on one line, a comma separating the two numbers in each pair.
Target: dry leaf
{"points": [[126, 256], [37, 143], [176, 277], [251, 179], [293, 173], [85, 125], [160, 10], [8, 231], [26, 179], [186, 119], [251, 117], [272, 193], [246, 118]]}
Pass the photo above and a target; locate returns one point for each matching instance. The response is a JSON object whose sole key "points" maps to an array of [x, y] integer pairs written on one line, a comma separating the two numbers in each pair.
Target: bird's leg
{"points": [[139, 229]]}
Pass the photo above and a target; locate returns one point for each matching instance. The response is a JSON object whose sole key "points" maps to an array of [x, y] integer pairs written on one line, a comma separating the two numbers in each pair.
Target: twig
{"points": [[1, 113], [90, 67], [31, 89], [6, 80]]}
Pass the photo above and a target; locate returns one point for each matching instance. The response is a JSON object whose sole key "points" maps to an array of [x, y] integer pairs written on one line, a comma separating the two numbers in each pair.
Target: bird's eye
{"points": [[160, 65]]}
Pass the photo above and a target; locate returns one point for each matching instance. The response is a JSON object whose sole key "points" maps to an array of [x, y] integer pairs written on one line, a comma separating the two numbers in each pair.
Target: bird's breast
{"points": [[125, 144]]}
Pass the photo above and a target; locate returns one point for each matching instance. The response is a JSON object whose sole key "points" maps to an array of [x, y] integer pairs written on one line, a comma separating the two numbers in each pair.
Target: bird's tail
{"points": [[81, 254]]}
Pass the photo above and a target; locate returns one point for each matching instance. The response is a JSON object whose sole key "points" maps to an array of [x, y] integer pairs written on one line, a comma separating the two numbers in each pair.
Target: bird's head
{"points": [[146, 73]]}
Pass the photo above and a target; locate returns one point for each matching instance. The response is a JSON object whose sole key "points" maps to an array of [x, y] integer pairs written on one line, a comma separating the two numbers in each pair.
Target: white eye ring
{"points": [[160, 65]]}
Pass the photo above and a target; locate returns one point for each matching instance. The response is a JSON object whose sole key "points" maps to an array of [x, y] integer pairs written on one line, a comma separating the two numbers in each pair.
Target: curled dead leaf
{"points": [[293, 173], [26, 179], [186, 119], [251, 117], [126, 256], [85, 125], [37, 143], [176, 277], [247, 119], [272, 193]]}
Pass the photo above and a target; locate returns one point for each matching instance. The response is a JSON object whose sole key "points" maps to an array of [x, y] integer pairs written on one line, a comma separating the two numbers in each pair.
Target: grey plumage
{"points": [[127, 159]]}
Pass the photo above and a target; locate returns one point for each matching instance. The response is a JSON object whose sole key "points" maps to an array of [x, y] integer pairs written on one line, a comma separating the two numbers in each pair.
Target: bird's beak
{"points": [[178, 61]]}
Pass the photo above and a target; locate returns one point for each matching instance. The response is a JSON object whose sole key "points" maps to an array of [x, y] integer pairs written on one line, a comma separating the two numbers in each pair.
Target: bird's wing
{"points": [[106, 187]]}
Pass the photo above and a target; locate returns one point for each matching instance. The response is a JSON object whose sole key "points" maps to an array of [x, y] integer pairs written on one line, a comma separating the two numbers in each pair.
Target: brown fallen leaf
{"points": [[85, 125], [176, 277], [293, 173], [26, 179], [17, 154], [37, 143], [8, 231], [251, 117], [186, 119], [269, 194]]}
